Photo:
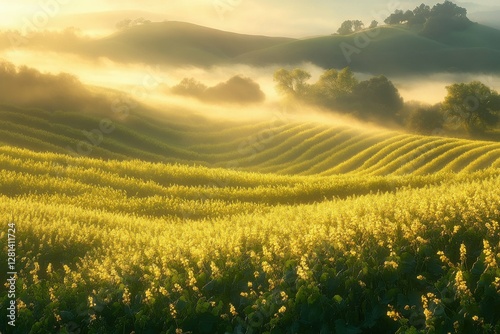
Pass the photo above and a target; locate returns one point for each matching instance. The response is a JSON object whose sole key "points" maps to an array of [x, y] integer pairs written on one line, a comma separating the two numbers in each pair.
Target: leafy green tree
{"points": [[474, 105], [357, 25], [444, 18], [350, 26], [441, 19], [425, 120], [334, 85], [292, 83], [408, 16], [373, 24], [395, 18], [420, 14], [377, 98], [346, 28], [448, 9]]}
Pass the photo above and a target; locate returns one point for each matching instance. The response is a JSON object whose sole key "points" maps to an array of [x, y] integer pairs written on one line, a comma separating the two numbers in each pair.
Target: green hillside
{"points": [[179, 43], [391, 50], [285, 147], [384, 50]]}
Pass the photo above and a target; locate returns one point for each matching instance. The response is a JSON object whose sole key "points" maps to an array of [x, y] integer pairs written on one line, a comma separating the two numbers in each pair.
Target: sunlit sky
{"points": [[276, 17], [264, 17]]}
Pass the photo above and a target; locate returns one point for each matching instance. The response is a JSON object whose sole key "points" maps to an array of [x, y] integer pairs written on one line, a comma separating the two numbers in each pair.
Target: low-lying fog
{"points": [[153, 84]]}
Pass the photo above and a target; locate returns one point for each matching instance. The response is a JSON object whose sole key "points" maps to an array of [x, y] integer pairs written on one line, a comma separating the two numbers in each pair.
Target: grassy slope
{"points": [[393, 50], [180, 43], [285, 147]]}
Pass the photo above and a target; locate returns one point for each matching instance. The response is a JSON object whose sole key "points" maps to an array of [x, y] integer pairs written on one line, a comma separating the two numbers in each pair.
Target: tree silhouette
{"points": [[357, 25], [350, 26], [395, 18], [346, 28], [441, 19], [425, 120], [448, 9], [420, 14], [377, 98], [475, 105]]}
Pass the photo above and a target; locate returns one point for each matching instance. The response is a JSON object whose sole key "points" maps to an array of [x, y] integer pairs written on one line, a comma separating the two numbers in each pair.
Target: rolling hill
{"points": [[384, 50], [283, 147], [391, 50], [179, 43]]}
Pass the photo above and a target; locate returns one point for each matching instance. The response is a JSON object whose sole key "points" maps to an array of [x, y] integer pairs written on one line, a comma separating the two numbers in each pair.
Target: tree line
{"points": [[430, 21], [471, 107]]}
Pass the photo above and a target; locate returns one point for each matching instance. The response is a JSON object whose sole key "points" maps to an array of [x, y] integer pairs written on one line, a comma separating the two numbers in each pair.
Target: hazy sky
{"points": [[276, 17], [265, 17]]}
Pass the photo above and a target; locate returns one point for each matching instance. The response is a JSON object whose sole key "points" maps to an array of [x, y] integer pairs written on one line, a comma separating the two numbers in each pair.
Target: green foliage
{"points": [[395, 18], [376, 98], [236, 90], [334, 86], [350, 26], [434, 23], [292, 83], [473, 104], [448, 9], [426, 120]]}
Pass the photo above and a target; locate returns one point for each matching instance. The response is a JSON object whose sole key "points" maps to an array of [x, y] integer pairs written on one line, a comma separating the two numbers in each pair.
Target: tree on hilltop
{"points": [[350, 26], [448, 9], [444, 18], [436, 21], [395, 18], [420, 14]]}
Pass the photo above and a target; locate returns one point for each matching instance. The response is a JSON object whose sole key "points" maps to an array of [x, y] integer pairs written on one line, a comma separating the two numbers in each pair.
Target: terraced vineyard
{"points": [[190, 226]]}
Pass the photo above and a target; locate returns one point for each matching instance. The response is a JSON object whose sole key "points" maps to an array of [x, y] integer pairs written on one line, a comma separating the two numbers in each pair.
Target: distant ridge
{"points": [[383, 50], [181, 43]]}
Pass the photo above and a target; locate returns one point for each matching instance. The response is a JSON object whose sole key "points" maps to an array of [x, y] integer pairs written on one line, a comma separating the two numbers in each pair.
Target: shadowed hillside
{"points": [[391, 50]]}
